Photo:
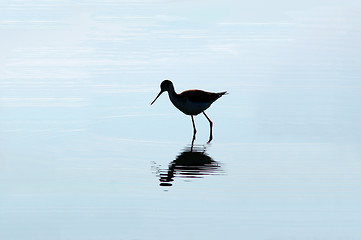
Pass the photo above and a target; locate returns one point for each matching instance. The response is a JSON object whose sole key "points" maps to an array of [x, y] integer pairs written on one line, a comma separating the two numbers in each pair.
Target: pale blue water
{"points": [[83, 155]]}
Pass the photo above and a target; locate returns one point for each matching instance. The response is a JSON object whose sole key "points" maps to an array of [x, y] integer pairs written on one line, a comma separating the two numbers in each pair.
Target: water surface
{"points": [[85, 156]]}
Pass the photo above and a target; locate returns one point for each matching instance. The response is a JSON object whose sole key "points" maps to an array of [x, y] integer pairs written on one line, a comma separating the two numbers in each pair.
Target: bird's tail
{"points": [[222, 93]]}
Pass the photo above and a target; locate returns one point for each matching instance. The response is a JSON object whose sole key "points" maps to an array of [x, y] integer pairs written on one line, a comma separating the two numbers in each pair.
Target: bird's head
{"points": [[166, 85]]}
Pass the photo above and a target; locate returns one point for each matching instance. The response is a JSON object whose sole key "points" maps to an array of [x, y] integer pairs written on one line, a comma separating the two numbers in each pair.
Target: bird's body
{"points": [[190, 102], [193, 102]]}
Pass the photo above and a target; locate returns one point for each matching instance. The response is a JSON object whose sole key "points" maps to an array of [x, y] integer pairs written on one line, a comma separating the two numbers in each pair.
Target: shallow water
{"points": [[85, 156]]}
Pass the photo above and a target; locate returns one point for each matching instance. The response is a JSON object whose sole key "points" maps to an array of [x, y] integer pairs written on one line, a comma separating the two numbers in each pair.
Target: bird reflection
{"points": [[192, 163]]}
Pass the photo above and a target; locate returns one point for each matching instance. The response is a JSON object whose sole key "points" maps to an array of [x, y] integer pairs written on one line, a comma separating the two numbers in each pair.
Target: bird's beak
{"points": [[157, 96]]}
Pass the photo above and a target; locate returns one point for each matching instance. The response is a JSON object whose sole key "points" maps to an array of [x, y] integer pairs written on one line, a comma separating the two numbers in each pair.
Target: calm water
{"points": [[83, 155]]}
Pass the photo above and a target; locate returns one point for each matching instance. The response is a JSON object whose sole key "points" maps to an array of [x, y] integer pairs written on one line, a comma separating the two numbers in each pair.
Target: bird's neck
{"points": [[173, 96], [171, 92]]}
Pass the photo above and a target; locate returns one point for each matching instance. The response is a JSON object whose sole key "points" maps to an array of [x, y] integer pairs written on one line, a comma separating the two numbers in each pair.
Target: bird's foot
{"points": [[210, 139]]}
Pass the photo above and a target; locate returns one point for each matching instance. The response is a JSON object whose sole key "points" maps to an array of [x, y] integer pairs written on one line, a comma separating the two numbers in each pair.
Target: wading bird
{"points": [[190, 102]]}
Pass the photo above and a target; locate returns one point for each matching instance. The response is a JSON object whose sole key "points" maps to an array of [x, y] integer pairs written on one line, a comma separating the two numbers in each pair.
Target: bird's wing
{"points": [[201, 96]]}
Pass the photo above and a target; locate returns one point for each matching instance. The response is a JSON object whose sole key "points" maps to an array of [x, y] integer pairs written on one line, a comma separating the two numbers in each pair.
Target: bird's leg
{"points": [[194, 130], [211, 126]]}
